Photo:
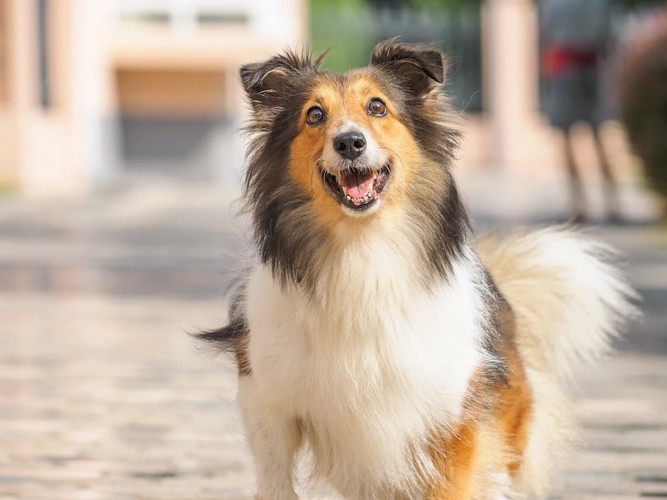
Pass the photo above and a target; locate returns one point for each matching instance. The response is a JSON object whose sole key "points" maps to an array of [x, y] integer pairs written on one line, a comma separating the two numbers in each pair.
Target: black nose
{"points": [[350, 145]]}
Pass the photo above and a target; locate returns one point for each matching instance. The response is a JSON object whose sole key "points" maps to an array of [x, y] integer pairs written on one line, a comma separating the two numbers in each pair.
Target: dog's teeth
{"points": [[349, 198]]}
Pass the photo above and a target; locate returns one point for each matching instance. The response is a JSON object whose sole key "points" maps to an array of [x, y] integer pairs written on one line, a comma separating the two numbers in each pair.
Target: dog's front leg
{"points": [[274, 441]]}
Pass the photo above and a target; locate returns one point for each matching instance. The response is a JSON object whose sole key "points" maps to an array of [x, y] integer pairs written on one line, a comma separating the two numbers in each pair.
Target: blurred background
{"points": [[120, 160], [94, 93]]}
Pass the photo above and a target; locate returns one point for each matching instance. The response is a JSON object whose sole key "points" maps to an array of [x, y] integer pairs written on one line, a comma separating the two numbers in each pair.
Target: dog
{"points": [[375, 335]]}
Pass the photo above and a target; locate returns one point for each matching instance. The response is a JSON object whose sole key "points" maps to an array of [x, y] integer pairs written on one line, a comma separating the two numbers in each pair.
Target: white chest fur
{"points": [[370, 364]]}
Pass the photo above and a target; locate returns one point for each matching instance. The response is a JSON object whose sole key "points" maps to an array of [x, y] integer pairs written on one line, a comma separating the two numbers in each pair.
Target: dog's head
{"points": [[333, 149], [356, 139]]}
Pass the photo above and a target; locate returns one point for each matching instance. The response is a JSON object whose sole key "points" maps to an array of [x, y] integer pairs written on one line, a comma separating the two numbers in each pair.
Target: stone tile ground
{"points": [[104, 396]]}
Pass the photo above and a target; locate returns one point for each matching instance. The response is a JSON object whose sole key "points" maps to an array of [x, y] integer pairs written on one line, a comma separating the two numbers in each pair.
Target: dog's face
{"points": [[358, 157], [348, 141], [354, 140]]}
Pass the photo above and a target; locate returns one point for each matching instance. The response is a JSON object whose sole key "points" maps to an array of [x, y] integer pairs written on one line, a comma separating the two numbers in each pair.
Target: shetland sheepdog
{"points": [[374, 334]]}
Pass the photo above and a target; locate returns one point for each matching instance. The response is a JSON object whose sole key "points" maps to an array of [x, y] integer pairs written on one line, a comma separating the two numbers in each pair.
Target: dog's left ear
{"points": [[421, 68]]}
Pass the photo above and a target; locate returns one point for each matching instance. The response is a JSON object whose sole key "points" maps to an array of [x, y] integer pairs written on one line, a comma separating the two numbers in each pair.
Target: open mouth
{"points": [[357, 188]]}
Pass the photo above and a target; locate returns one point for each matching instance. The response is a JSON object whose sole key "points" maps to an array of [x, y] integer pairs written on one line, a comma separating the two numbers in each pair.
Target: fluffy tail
{"points": [[569, 303], [569, 300]]}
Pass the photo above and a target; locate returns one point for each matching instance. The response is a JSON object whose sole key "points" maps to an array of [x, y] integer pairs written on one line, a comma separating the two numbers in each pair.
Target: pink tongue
{"points": [[358, 186]]}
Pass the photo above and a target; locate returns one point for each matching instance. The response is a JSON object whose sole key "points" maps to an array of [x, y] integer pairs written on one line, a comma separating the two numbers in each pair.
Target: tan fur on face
{"points": [[347, 102]]}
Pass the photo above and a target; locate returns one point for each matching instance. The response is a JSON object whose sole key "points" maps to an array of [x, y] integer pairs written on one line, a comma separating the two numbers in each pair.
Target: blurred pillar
{"points": [[36, 124], [511, 82], [94, 106], [9, 85], [54, 104]]}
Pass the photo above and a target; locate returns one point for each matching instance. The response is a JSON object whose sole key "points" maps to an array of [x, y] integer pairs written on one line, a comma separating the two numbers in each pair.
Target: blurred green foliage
{"points": [[449, 4], [351, 28], [427, 4], [348, 45], [415, 4]]}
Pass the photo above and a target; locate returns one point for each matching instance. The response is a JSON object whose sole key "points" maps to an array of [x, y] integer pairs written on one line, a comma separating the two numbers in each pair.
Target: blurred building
{"points": [[89, 89], [93, 89]]}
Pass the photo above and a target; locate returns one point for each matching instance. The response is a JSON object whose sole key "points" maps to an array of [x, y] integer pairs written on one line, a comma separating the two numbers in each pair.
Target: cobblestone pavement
{"points": [[104, 396]]}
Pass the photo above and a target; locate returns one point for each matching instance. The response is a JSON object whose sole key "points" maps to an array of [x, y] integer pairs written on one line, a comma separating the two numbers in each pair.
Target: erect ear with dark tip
{"points": [[270, 82], [251, 75], [420, 67], [264, 83]]}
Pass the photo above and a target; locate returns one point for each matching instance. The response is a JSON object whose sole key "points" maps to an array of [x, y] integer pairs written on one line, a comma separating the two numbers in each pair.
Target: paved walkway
{"points": [[104, 396]]}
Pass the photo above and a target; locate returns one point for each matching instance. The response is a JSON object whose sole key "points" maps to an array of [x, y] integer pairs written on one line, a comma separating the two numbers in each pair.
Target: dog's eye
{"points": [[314, 115], [376, 107]]}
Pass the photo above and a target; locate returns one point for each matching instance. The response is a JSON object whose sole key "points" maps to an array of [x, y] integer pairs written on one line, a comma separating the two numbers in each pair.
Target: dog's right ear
{"points": [[265, 83], [271, 83]]}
